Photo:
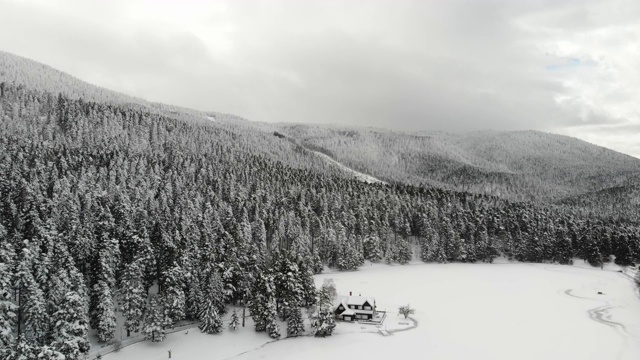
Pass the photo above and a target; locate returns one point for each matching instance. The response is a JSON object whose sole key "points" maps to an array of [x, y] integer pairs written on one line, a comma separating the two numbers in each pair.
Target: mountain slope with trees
{"points": [[519, 165], [101, 201]]}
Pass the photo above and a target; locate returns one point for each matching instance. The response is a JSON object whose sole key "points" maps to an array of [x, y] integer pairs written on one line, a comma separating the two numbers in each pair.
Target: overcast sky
{"points": [[569, 67]]}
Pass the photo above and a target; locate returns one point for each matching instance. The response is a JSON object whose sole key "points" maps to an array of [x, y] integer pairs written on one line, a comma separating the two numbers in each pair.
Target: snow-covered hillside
{"points": [[463, 311], [358, 175], [519, 165]]}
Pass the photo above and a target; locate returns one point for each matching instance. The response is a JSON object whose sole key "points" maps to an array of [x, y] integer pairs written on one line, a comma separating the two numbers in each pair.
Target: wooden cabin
{"points": [[352, 308]]}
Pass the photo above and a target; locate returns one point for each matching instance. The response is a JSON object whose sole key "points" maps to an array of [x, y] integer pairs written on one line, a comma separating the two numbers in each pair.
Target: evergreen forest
{"points": [[101, 201]]}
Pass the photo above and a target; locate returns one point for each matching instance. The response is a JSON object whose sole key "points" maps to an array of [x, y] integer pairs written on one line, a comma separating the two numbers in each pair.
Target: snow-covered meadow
{"points": [[463, 311]]}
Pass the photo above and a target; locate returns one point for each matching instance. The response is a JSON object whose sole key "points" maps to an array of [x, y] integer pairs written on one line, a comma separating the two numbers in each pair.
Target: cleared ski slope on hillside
{"points": [[358, 175]]}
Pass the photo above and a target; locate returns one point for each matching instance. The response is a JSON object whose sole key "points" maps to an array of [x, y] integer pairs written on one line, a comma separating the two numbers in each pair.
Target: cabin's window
{"points": [[367, 307]]}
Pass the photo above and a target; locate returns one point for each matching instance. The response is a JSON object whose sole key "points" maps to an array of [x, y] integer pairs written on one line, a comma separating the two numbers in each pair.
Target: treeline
{"points": [[100, 203]]}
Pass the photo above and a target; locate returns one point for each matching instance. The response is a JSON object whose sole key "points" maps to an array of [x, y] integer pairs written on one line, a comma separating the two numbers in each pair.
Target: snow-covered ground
{"points": [[463, 311], [358, 175]]}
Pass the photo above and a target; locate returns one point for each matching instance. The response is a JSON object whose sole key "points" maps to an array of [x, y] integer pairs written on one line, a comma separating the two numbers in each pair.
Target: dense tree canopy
{"points": [[99, 202]]}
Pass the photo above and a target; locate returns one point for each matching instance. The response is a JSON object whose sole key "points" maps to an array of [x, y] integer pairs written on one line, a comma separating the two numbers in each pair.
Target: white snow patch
{"points": [[210, 118], [463, 311], [358, 175]]}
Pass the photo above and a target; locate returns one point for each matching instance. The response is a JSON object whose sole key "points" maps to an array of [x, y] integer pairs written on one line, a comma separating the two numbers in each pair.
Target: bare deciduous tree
{"points": [[406, 310]]}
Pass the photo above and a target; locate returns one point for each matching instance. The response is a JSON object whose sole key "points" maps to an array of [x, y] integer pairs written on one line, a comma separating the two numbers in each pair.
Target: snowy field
{"points": [[463, 311]]}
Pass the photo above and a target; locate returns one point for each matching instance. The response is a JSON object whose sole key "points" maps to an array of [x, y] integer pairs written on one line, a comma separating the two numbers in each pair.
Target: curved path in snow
{"points": [[601, 314], [415, 325]]}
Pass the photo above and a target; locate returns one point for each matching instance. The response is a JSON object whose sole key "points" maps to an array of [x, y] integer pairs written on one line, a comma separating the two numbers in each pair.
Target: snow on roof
{"points": [[348, 311], [355, 300], [359, 300]]}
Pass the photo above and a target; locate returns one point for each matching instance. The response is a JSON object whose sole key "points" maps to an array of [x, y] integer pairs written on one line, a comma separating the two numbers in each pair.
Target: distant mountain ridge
{"points": [[520, 165], [517, 165], [40, 77]]}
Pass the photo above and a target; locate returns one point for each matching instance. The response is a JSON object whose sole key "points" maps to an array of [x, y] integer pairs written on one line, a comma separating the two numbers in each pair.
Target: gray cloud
{"points": [[458, 65]]}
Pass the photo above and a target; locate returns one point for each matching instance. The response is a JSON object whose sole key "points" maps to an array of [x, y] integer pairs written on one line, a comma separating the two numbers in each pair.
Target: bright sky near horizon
{"points": [[564, 66]]}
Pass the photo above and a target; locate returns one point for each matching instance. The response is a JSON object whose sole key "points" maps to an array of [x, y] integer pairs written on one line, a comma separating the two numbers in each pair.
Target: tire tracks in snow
{"points": [[390, 332], [600, 314]]}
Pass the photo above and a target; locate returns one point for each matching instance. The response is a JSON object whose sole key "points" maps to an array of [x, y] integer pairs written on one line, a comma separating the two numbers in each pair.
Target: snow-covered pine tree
{"points": [[210, 322], [482, 243], [8, 309], [67, 304], [534, 249], [562, 249], [454, 244], [35, 315], [404, 252], [437, 252], [263, 294], [214, 291], [70, 331], [323, 322], [105, 316], [271, 318], [287, 282], [622, 251], [194, 298], [48, 353], [295, 323], [248, 256], [234, 321], [371, 248], [259, 233], [134, 296], [153, 327], [518, 245], [316, 263], [273, 329], [348, 257], [307, 285], [30, 300], [23, 350], [109, 250], [470, 251], [327, 293], [173, 295], [105, 267], [229, 267]]}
